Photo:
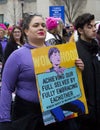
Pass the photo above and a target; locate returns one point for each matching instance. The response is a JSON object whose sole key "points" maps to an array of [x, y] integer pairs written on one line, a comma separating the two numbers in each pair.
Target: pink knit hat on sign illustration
{"points": [[51, 23]]}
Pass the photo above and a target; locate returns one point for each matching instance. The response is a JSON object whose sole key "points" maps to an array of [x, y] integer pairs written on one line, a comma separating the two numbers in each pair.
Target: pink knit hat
{"points": [[51, 23], [3, 27], [10, 28]]}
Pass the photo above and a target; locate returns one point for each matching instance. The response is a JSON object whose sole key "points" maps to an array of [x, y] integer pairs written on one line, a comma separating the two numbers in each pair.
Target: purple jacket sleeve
{"points": [[8, 86]]}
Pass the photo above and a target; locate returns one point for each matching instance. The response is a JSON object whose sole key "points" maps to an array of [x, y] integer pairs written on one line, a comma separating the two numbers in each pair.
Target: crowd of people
{"points": [[18, 74]]}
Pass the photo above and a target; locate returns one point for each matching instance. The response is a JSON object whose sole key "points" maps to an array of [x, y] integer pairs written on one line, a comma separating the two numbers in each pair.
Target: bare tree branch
{"points": [[72, 7]]}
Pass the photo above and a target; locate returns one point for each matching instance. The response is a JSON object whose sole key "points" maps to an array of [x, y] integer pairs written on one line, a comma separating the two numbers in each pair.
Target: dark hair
{"points": [[12, 37], [53, 50], [83, 19], [26, 21]]}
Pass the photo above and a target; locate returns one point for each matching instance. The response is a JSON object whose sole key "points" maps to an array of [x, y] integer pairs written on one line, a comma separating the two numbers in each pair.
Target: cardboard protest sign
{"points": [[59, 82]]}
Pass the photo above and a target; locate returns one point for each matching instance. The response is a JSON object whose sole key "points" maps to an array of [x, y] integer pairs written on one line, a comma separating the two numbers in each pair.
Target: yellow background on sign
{"points": [[68, 53]]}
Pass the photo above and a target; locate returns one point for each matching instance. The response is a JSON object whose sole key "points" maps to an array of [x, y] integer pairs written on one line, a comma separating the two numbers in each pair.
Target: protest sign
{"points": [[59, 83]]}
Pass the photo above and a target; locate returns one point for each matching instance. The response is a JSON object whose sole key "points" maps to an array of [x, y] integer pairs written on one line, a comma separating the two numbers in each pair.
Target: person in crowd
{"points": [[60, 28], [15, 41], [54, 31], [66, 33], [69, 33], [71, 28], [10, 28], [3, 41], [88, 49], [19, 75], [7, 26], [98, 34]]}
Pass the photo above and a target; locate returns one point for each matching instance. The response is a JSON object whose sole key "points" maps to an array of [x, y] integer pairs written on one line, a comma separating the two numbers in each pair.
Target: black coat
{"points": [[91, 80], [1, 53], [97, 90], [9, 49]]}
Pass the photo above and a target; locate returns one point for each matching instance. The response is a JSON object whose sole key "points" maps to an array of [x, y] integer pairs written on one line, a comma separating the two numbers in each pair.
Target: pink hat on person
{"points": [[51, 23], [10, 28], [3, 27]]}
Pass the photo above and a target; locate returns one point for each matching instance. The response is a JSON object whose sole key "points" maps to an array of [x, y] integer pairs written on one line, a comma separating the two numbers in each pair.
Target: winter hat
{"points": [[3, 27], [6, 24], [51, 23], [67, 26], [59, 20], [10, 28]]}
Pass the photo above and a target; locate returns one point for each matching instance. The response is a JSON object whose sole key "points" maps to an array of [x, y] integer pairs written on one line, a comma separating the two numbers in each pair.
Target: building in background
{"points": [[12, 11]]}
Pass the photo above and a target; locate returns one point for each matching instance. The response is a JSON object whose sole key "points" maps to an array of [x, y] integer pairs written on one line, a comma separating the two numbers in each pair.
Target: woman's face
{"points": [[1, 33], [17, 34], [55, 59], [37, 29]]}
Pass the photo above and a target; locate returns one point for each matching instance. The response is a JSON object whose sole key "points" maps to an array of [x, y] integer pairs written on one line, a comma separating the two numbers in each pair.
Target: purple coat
{"points": [[18, 74]]}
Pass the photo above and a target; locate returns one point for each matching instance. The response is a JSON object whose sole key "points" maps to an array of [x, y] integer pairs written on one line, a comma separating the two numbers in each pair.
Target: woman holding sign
{"points": [[18, 74]]}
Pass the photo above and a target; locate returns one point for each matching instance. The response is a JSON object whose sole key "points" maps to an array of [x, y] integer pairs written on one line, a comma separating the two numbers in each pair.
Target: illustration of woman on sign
{"points": [[55, 59]]}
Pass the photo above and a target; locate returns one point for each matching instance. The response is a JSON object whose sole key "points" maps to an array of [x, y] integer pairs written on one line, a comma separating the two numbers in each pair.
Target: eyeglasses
{"points": [[17, 32]]}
